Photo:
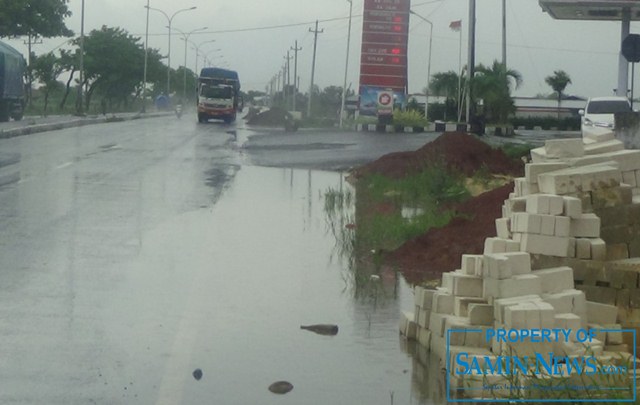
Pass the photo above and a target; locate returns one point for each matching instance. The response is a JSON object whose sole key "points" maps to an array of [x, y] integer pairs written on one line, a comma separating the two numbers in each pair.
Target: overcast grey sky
{"points": [[536, 45]]}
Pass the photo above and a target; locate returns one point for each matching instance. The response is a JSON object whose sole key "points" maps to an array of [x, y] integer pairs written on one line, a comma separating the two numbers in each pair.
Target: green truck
{"points": [[12, 91]]}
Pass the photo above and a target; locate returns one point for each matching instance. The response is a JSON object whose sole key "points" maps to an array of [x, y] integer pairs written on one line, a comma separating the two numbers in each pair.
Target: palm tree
{"points": [[445, 84], [493, 85], [558, 83]]}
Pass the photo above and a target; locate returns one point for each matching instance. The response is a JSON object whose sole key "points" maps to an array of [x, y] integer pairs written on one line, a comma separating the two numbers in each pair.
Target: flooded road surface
{"points": [[244, 276], [146, 262]]}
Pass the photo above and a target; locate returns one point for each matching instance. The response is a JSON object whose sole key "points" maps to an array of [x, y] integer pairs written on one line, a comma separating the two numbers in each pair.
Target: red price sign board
{"points": [[383, 62]]}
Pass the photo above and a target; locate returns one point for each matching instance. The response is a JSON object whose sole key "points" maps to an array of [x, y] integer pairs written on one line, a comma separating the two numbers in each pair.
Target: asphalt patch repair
{"points": [[440, 249]]}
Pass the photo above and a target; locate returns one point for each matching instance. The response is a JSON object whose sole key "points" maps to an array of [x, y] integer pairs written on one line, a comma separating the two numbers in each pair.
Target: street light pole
{"points": [[80, 104], [426, 101], [185, 36], [197, 48], [146, 57], [346, 66], [169, 20]]}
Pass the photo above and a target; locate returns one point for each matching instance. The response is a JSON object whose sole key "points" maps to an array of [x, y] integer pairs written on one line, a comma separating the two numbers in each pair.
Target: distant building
{"points": [[533, 107]]}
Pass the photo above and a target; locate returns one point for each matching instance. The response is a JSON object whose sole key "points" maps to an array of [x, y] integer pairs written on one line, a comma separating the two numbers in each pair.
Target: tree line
{"points": [[113, 58]]}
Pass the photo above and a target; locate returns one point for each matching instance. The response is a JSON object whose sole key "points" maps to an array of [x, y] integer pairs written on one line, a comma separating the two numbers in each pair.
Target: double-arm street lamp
{"points": [[169, 20], [426, 101], [185, 37], [197, 48]]}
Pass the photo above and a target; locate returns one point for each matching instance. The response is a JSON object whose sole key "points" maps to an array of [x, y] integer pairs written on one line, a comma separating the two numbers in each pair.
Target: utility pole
{"points": [[346, 67], [288, 67], [471, 56], [313, 64], [32, 39], [504, 33], [80, 101], [295, 73]]}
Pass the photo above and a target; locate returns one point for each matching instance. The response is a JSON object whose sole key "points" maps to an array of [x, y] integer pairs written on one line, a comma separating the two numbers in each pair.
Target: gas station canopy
{"points": [[592, 10]]}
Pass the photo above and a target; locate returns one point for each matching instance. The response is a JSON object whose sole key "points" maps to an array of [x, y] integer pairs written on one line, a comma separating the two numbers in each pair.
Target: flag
{"points": [[456, 25]]}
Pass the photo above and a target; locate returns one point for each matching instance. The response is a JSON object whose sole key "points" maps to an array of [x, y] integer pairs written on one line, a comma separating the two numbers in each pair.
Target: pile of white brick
{"points": [[499, 289]]}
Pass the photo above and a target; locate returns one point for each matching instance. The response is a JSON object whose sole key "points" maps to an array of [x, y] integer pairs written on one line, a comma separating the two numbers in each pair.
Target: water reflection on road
{"points": [[250, 271]]}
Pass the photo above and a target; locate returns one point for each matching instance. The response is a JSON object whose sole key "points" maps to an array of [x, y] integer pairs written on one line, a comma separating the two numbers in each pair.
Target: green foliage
{"points": [[44, 18], [409, 118], [516, 150], [493, 85], [46, 68], [425, 192], [568, 124], [558, 83]]}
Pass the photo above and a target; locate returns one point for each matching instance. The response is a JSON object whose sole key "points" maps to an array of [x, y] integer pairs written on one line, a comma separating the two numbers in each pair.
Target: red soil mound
{"points": [[457, 150], [440, 249]]}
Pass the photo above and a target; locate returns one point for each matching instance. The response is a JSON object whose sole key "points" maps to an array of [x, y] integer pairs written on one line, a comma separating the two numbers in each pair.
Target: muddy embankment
{"points": [[439, 249]]}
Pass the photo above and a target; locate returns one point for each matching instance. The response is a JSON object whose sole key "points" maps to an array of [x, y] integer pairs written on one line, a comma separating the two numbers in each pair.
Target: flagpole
{"points": [[460, 76]]}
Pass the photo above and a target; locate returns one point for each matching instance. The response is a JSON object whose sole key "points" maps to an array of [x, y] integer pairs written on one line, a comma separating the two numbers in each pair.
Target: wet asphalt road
{"points": [[132, 253]]}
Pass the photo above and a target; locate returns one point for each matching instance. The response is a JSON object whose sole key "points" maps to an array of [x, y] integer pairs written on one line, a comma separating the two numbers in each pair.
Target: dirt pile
{"points": [[440, 249], [276, 117], [458, 151]]}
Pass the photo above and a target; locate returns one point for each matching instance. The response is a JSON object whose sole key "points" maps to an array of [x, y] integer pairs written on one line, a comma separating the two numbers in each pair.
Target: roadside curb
{"points": [[433, 127], [75, 122]]}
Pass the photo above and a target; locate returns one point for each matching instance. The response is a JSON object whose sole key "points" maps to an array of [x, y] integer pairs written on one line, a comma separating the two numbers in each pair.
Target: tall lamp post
{"points": [[426, 101], [346, 65], [146, 57], [169, 20], [185, 37], [197, 48], [80, 104]]}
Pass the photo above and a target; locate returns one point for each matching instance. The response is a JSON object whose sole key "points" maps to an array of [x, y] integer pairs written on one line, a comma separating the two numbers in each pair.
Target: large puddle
{"points": [[248, 272]]}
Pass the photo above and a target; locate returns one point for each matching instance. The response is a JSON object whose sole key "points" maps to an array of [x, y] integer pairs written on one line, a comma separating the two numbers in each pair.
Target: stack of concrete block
{"points": [[553, 262]]}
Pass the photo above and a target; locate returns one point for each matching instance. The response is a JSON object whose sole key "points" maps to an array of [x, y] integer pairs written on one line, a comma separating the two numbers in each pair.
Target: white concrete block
{"points": [[614, 334], [461, 305], [562, 226], [568, 321], [468, 264], [494, 245], [547, 314], [629, 177], [423, 317], [424, 337], [572, 248], [601, 313], [582, 178], [457, 325], [512, 246], [547, 245], [586, 226], [447, 282], [511, 287], [526, 223], [547, 225], [436, 324], [555, 280], [425, 298], [406, 318], [564, 148], [518, 204], [417, 295], [567, 301], [480, 314], [572, 207], [583, 248], [500, 304], [539, 155], [532, 170], [515, 316], [556, 205], [603, 147], [599, 134], [502, 228], [496, 265], [598, 249], [465, 285], [519, 262], [442, 303], [538, 204]]}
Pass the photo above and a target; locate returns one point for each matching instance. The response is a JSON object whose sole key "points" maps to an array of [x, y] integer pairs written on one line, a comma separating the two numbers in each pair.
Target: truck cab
{"points": [[218, 95]]}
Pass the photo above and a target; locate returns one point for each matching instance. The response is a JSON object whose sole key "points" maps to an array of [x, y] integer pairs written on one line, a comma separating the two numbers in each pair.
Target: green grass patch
{"points": [[517, 150]]}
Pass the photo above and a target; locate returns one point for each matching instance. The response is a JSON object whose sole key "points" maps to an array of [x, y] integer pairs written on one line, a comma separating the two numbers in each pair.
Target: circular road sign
{"points": [[631, 48], [385, 99]]}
